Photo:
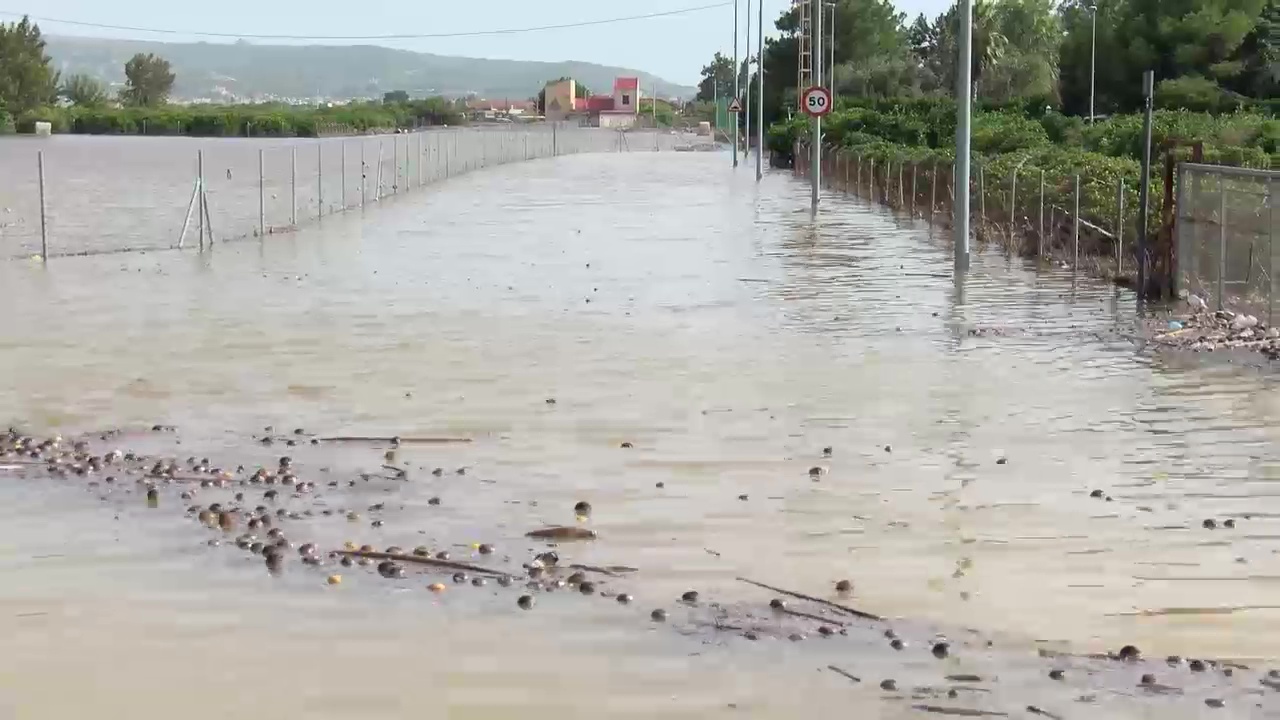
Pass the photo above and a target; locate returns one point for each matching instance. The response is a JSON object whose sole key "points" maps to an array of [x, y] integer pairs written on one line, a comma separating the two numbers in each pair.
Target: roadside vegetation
{"points": [[1216, 62]]}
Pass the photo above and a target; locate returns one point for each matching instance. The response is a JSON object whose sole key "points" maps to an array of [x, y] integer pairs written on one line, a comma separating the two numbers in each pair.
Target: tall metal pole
{"points": [[746, 100], [964, 92], [830, 74], [1093, 58], [737, 91], [815, 141], [759, 89], [1148, 87]]}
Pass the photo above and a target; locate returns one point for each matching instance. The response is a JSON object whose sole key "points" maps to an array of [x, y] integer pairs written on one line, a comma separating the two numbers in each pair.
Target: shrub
{"points": [[1194, 92], [56, 117], [1003, 132]]}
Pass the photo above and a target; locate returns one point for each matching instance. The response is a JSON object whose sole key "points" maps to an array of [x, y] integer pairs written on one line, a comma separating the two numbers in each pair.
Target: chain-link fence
{"points": [[77, 195], [1077, 219], [1227, 229]]}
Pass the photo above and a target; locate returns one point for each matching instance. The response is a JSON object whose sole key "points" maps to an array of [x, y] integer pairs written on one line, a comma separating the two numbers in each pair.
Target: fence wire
{"points": [[126, 194], [1075, 219], [1227, 230]]}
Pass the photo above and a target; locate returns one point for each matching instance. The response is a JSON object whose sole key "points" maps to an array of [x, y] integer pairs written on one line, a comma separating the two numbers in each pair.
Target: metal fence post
{"points": [[933, 193], [1013, 204], [1075, 242], [1271, 252], [200, 214], [1043, 229], [1120, 227], [901, 191], [1053, 227], [1222, 239], [914, 166], [262, 194], [982, 200], [364, 175], [44, 223], [293, 186], [319, 179]]}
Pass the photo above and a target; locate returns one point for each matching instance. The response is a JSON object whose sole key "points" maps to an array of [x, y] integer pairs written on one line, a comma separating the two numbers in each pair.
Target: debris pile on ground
{"points": [[1210, 331]]}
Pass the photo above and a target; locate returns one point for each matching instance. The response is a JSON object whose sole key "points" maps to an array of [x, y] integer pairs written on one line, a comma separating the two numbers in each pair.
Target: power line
{"points": [[407, 36]]}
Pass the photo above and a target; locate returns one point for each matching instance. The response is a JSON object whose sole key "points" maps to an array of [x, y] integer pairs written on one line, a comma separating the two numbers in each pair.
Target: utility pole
{"points": [[964, 92], [759, 91], [746, 101], [737, 92], [815, 141]]}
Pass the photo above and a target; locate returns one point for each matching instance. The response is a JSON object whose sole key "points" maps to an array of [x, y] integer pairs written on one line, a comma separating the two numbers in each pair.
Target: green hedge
{"points": [[241, 120], [1240, 138], [1037, 139]]}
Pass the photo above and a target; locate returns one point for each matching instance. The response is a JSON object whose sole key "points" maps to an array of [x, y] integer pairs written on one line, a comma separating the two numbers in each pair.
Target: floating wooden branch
{"points": [[852, 611]]}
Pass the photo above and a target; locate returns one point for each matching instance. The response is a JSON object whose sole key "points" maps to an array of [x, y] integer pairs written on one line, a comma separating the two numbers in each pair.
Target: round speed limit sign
{"points": [[816, 101]]}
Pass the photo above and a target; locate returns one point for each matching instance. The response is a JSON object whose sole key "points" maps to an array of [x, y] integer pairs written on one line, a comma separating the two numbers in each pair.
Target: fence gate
{"points": [[1227, 232]]}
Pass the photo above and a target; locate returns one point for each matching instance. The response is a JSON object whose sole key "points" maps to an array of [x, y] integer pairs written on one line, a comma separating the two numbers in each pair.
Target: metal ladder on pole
{"points": [[804, 77]]}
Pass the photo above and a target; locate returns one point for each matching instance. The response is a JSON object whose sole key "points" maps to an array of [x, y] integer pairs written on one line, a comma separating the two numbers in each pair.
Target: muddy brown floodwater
{"points": [[678, 347]]}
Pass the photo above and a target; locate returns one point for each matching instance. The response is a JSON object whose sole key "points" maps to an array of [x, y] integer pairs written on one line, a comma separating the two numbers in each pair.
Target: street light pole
{"points": [[1093, 58], [815, 141], [830, 75], [746, 101], [759, 88], [737, 92], [964, 92]]}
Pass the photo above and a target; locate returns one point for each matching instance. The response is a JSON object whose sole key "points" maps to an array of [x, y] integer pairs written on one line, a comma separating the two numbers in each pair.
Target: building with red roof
{"points": [[618, 110]]}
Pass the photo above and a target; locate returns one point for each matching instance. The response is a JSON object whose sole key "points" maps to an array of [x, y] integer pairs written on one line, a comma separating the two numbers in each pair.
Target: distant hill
{"points": [[252, 71]]}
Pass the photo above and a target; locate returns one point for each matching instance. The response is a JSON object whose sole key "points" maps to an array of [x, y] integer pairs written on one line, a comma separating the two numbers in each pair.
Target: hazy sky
{"points": [[674, 48]]}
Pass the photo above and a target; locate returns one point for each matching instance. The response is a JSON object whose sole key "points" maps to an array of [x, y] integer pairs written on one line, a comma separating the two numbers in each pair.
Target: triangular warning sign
{"points": [[735, 106]]}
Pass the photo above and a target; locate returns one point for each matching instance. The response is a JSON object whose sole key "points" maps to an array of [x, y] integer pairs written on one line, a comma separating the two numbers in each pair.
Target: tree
{"points": [[1174, 38], [717, 78], [1259, 56], [27, 80], [579, 91], [148, 81], [395, 97], [84, 91]]}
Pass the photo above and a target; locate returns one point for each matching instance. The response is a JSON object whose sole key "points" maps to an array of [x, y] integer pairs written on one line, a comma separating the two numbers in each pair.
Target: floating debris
{"points": [[562, 533]]}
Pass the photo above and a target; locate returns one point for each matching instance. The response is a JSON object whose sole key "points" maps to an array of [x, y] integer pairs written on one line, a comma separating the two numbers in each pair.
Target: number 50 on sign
{"points": [[816, 101]]}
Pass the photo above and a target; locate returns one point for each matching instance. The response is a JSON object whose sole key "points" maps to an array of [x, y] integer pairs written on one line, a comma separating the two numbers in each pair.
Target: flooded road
{"points": [[665, 302]]}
